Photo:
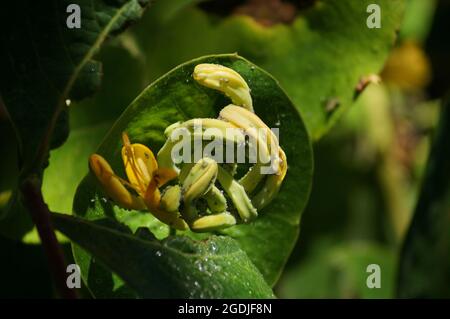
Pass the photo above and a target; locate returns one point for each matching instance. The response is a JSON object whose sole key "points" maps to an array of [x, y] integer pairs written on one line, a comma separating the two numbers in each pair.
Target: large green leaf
{"points": [[44, 63], [268, 240], [424, 270], [90, 120], [319, 59], [177, 267]]}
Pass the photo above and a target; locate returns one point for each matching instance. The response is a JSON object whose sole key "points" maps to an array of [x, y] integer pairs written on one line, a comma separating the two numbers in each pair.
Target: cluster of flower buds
{"points": [[202, 195]]}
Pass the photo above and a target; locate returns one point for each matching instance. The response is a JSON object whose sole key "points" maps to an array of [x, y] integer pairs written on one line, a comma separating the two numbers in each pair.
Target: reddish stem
{"points": [[40, 214]]}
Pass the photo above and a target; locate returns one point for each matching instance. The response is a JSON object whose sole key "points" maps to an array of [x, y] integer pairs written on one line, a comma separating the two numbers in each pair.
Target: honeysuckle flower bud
{"points": [[113, 185], [217, 203], [267, 143], [226, 80], [170, 199], [140, 164], [272, 184], [213, 222], [182, 133], [239, 197], [197, 183], [144, 178]]}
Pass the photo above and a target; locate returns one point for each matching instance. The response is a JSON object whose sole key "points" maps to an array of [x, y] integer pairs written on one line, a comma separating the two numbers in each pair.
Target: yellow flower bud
{"points": [[226, 80]]}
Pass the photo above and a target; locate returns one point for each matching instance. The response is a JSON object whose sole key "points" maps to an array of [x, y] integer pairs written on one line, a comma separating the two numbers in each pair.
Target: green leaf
{"points": [[268, 240], [425, 259], [319, 59], [120, 85], [177, 267], [90, 120], [44, 63]]}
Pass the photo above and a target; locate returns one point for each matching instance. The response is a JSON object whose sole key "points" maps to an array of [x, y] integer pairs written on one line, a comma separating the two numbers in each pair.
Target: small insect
{"points": [[187, 197]]}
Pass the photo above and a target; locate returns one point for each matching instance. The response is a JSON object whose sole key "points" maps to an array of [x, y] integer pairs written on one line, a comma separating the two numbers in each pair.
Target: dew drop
{"points": [[199, 266]]}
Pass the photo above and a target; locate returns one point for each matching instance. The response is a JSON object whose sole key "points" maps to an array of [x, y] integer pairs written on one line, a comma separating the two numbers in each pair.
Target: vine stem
{"points": [[40, 214]]}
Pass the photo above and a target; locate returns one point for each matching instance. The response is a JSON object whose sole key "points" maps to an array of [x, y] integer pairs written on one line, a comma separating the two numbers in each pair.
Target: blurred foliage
{"points": [[438, 50], [335, 270], [370, 169], [298, 46], [418, 19], [425, 264]]}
